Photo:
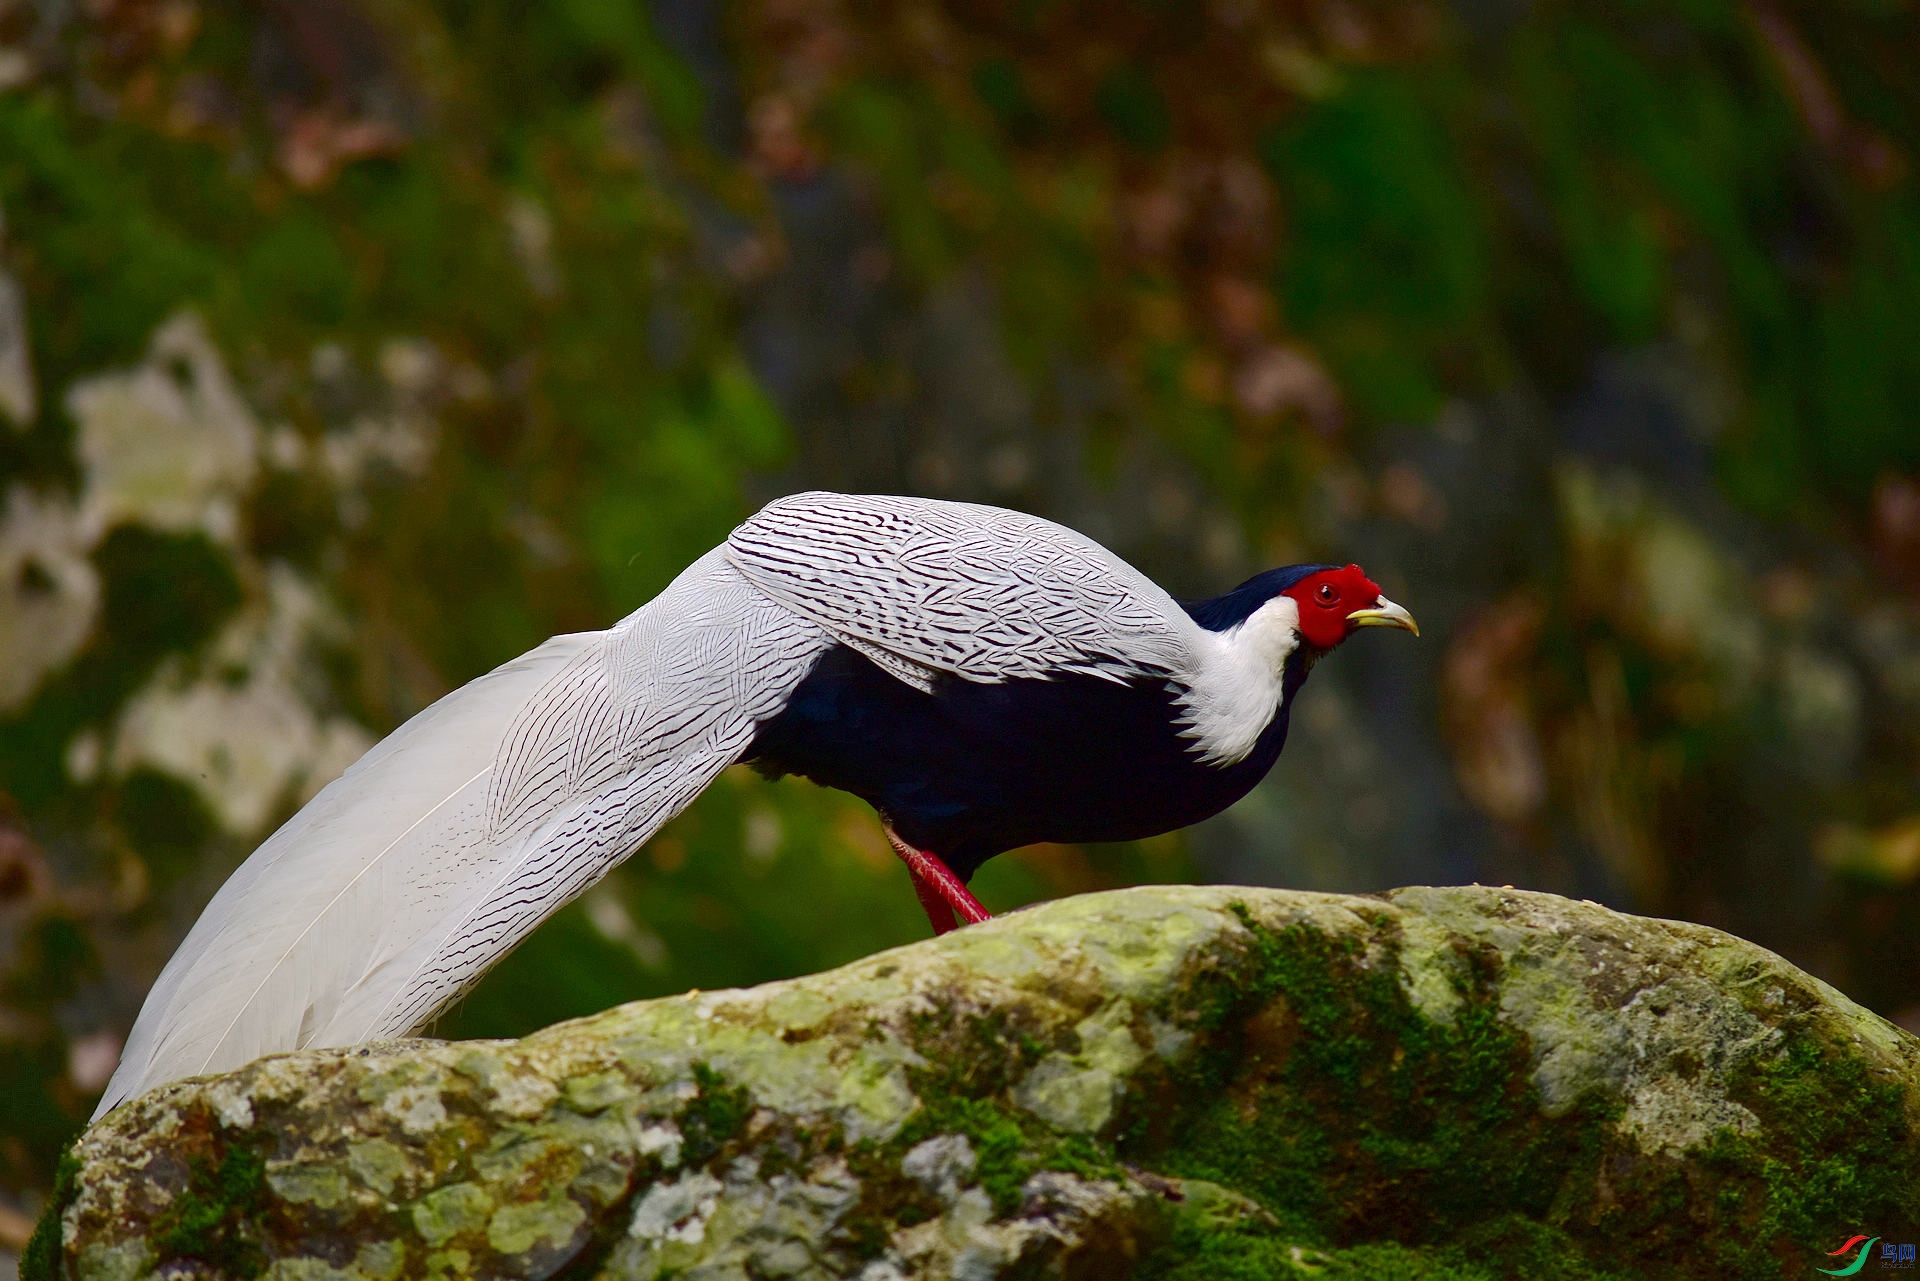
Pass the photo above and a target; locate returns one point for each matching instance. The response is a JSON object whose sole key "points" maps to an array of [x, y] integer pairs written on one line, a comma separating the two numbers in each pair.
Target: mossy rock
{"points": [[1169, 1082]]}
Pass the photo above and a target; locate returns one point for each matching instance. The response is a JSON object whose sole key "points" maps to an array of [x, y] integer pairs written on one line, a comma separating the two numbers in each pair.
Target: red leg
{"points": [[940, 891], [938, 912]]}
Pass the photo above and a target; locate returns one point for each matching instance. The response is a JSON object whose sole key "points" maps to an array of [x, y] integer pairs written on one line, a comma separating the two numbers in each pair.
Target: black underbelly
{"points": [[972, 769]]}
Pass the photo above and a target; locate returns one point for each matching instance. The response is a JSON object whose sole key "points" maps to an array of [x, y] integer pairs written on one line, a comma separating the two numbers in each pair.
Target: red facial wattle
{"points": [[1326, 601]]}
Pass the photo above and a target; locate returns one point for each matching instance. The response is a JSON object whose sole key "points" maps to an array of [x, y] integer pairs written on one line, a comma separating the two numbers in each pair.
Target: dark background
{"points": [[349, 349]]}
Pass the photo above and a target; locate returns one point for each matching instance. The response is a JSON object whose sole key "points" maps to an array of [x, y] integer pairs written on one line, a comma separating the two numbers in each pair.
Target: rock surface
{"points": [[1167, 1082]]}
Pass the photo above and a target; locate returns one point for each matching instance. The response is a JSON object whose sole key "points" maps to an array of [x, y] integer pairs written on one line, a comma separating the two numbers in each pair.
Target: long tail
{"points": [[396, 887]]}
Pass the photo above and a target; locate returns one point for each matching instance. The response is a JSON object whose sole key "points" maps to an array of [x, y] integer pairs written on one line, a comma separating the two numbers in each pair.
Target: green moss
{"points": [[41, 1259], [1197, 1255], [1332, 1100], [1833, 1147], [980, 1057], [1511, 1247], [1219, 1236], [714, 1116], [1516, 1246], [1359, 1122], [1843, 1147], [208, 1218], [1009, 1145]]}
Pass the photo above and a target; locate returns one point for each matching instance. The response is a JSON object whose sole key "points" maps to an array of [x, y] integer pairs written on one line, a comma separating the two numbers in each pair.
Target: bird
{"points": [[984, 678]]}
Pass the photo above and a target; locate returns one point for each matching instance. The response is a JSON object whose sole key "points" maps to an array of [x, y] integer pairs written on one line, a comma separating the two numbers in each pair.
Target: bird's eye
{"points": [[1327, 594]]}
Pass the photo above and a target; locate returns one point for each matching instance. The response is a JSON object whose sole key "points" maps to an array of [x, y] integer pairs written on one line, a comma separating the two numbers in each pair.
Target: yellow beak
{"points": [[1383, 614]]}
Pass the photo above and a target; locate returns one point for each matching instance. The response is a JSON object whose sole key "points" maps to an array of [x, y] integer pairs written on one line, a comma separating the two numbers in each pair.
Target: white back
{"points": [[983, 593]]}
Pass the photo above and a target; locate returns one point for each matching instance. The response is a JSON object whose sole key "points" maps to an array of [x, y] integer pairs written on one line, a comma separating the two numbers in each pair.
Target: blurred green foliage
{"points": [[525, 246]]}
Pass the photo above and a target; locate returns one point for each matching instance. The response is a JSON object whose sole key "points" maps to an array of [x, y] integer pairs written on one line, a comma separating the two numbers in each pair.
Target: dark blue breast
{"points": [[971, 770]]}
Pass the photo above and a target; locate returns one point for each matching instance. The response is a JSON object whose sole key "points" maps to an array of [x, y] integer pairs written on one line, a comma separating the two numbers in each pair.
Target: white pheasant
{"points": [[985, 678]]}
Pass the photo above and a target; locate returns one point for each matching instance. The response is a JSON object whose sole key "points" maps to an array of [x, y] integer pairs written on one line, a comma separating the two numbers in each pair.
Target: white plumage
{"points": [[440, 849], [979, 592]]}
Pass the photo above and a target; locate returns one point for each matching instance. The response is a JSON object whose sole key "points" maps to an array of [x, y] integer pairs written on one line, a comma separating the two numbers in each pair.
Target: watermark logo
{"points": [[1860, 1260], [1893, 1256]]}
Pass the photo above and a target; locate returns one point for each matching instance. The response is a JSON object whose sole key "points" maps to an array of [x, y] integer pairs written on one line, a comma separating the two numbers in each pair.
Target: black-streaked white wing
{"points": [[923, 586]]}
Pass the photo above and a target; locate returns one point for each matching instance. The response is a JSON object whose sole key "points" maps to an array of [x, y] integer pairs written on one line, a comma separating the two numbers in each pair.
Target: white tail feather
{"points": [[446, 844]]}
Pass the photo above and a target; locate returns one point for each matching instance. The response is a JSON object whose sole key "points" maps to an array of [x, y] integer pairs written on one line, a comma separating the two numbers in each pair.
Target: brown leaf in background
{"points": [[1408, 496], [25, 880], [1895, 517], [1876, 162], [1486, 709], [16, 1229], [317, 144], [1282, 378]]}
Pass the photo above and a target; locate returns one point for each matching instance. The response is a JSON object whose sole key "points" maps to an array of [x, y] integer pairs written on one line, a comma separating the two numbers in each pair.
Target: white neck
{"points": [[1236, 687]]}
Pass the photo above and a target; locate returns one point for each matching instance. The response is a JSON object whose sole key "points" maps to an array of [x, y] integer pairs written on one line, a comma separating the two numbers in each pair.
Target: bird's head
{"points": [[1336, 603], [1270, 630], [1320, 605]]}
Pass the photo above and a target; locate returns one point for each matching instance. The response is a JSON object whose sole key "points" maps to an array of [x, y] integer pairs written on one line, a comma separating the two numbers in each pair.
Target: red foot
{"points": [[940, 891]]}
